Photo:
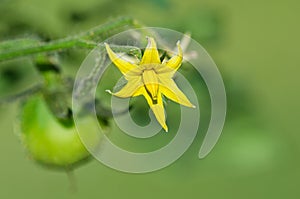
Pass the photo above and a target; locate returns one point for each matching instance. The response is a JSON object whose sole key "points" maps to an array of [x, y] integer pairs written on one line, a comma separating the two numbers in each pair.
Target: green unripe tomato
{"points": [[47, 140]]}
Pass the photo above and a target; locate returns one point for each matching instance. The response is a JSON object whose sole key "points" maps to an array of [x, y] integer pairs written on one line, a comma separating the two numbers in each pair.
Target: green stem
{"points": [[45, 47], [86, 40]]}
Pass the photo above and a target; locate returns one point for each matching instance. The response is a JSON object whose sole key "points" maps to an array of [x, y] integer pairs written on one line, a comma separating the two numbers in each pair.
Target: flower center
{"points": [[150, 81]]}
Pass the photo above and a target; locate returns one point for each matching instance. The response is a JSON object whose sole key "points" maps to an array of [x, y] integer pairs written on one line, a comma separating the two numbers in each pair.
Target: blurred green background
{"points": [[255, 45]]}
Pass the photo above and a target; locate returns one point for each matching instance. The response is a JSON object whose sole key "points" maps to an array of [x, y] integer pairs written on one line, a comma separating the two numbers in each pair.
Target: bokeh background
{"points": [[255, 45]]}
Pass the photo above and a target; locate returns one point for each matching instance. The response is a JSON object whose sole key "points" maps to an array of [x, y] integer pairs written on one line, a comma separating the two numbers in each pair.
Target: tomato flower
{"points": [[151, 78]]}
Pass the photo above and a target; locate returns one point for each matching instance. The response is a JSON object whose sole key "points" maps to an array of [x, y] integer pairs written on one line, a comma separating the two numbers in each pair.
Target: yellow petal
{"points": [[157, 108], [149, 78], [159, 113], [123, 65], [130, 88], [139, 91], [169, 89], [164, 70], [175, 61], [151, 55]]}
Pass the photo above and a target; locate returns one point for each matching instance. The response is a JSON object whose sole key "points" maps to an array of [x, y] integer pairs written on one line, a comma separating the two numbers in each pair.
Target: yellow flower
{"points": [[151, 78]]}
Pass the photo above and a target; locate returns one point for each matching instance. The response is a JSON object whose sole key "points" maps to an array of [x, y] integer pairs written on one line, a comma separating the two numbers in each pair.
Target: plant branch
{"points": [[89, 39]]}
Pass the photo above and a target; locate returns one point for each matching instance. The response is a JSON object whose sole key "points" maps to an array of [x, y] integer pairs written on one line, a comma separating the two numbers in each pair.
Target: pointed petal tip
{"points": [[151, 55], [108, 91], [151, 42], [123, 65], [166, 129], [149, 38], [108, 49], [179, 48], [188, 34], [176, 60], [189, 105]]}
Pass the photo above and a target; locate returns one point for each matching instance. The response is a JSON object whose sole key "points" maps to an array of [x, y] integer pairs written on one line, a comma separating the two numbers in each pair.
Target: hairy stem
{"points": [[88, 40]]}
